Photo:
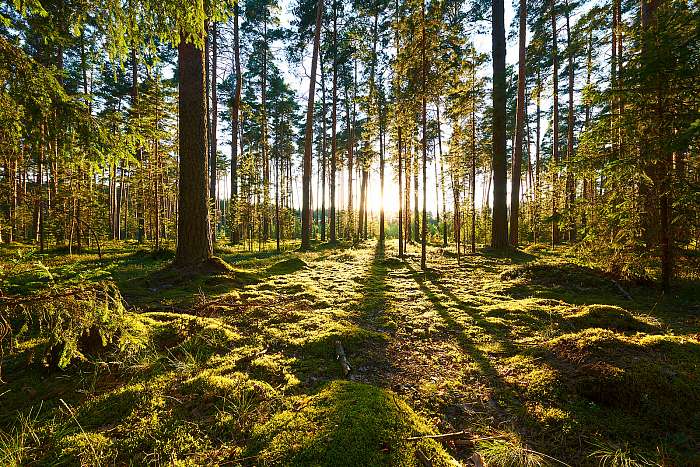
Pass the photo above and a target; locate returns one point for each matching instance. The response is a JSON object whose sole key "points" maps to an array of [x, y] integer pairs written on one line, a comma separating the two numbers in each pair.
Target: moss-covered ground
{"points": [[535, 358]]}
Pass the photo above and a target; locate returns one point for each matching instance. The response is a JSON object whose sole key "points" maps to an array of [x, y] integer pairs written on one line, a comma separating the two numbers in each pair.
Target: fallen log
{"points": [[340, 355]]}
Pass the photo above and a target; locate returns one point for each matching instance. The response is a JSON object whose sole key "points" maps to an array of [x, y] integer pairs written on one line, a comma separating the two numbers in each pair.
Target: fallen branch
{"points": [[340, 355], [455, 434]]}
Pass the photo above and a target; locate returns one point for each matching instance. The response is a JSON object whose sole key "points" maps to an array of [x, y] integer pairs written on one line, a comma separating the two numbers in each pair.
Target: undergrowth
{"points": [[532, 358]]}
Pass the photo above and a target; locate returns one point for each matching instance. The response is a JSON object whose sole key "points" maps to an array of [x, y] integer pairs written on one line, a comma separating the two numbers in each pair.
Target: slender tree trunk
{"points": [[308, 140], [213, 143], [442, 179], [538, 111], [235, 232], [323, 153], [555, 127], [351, 215], [334, 126], [416, 212], [499, 228], [570, 180], [193, 232], [277, 203], [519, 117], [473, 174], [265, 156], [400, 175], [424, 222]]}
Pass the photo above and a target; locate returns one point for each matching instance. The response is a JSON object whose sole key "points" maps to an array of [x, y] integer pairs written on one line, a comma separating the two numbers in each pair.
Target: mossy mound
{"points": [[606, 317], [346, 423], [287, 266], [655, 377], [565, 275]]}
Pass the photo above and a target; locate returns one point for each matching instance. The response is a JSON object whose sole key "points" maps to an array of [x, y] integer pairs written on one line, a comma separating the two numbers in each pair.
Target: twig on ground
{"points": [[340, 355], [455, 434]]}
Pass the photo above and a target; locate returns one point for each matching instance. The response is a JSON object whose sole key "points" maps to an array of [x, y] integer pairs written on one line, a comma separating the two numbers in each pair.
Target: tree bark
{"points": [[235, 233], [555, 127], [570, 181], [519, 118], [213, 144], [308, 139], [499, 228], [193, 234], [334, 124], [424, 221]]}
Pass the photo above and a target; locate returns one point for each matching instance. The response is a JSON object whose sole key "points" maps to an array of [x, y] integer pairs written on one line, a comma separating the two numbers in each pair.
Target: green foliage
{"points": [[75, 322]]}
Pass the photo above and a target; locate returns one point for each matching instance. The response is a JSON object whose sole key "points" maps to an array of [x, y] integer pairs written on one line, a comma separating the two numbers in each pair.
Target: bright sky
{"points": [[296, 76]]}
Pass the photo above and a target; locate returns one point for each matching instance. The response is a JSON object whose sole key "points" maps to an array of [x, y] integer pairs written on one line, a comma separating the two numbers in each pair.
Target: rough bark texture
{"points": [[193, 239]]}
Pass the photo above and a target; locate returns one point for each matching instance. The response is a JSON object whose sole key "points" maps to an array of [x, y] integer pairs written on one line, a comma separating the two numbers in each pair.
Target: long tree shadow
{"points": [[369, 313], [505, 401]]}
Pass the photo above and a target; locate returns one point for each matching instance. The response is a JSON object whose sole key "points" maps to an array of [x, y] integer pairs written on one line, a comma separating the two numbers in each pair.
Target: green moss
{"points": [[287, 266], [345, 424], [534, 343], [607, 317]]}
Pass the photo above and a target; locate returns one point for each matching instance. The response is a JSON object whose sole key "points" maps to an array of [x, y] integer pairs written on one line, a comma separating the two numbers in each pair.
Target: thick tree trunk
{"points": [[193, 232], [499, 228]]}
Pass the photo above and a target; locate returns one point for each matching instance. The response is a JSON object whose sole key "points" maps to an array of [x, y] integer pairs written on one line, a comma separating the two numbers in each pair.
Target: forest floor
{"points": [[528, 358]]}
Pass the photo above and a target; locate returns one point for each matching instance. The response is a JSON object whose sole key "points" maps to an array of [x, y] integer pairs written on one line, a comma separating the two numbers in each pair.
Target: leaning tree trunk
{"points": [[193, 234]]}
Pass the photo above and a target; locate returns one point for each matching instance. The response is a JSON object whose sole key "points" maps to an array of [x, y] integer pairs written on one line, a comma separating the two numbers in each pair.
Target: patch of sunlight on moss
{"points": [[606, 317], [111, 407], [87, 448], [491, 347], [534, 378], [551, 417], [346, 423]]}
